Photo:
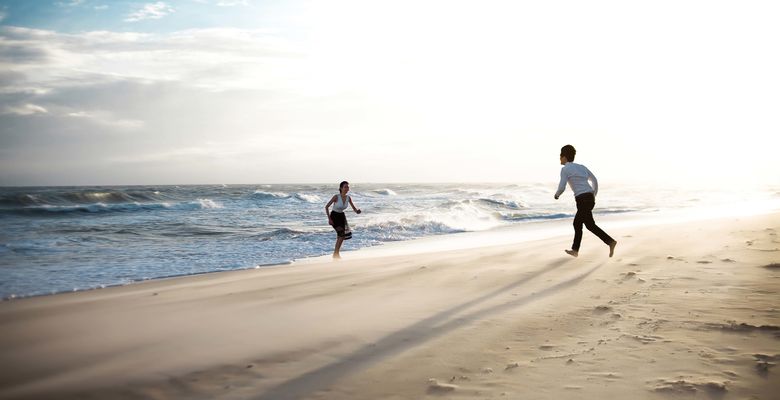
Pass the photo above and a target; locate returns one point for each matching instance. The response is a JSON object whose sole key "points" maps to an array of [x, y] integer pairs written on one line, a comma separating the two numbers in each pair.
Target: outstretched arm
{"points": [[561, 186], [357, 210]]}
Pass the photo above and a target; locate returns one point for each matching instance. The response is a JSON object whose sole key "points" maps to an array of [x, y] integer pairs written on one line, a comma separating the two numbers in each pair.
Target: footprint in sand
{"points": [[764, 357], [734, 327], [601, 309], [763, 367], [462, 377], [764, 363], [682, 386], [704, 262], [608, 375], [627, 276], [435, 386], [772, 266], [644, 339]]}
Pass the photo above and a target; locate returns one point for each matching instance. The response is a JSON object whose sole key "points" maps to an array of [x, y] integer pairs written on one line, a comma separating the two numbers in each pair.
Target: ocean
{"points": [[60, 239]]}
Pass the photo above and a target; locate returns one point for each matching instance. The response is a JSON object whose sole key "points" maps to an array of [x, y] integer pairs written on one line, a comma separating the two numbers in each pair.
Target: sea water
{"points": [[56, 239]]}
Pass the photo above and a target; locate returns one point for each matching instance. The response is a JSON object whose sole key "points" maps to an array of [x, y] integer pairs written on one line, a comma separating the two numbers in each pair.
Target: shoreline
{"points": [[511, 234]]}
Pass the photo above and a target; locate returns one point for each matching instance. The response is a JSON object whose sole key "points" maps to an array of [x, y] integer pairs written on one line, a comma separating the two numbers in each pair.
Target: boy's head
{"points": [[568, 152]]}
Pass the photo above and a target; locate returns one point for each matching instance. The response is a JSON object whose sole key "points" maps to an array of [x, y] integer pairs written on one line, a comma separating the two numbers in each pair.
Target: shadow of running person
{"points": [[414, 335]]}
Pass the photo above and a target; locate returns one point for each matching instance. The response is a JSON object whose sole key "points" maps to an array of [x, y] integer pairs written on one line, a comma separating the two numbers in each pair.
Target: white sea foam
{"points": [[309, 198], [271, 195], [385, 192], [460, 217], [209, 204]]}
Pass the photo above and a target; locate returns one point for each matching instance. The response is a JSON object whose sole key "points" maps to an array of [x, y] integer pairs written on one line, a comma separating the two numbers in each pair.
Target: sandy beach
{"points": [[683, 310]]}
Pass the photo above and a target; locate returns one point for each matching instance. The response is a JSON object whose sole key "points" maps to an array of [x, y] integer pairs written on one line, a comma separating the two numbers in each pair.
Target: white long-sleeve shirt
{"points": [[577, 175]]}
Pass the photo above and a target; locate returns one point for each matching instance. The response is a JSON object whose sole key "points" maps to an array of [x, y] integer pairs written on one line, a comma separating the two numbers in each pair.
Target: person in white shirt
{"points": [[337, 219], [578, 176]]}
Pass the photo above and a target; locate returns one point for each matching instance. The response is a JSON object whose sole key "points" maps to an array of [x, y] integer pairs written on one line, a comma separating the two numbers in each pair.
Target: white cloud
{"points": [[107, 119], [216, 59], [72, 3], [3, 14], [150, 11], [437, 100], [25, 109], [101, 7], [232, 3]]}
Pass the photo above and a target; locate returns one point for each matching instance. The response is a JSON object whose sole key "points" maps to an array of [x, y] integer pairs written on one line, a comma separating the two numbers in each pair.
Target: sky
{"points": [[98, 92]]}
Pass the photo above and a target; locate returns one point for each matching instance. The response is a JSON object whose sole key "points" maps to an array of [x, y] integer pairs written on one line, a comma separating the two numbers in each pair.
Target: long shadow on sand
{"points": [[414, 335]]}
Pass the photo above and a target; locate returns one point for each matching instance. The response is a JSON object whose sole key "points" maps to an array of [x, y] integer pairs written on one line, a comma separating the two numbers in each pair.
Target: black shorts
{"points": [[340, 225]]}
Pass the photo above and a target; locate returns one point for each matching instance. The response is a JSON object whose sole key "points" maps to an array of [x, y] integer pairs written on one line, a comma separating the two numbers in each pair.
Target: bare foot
{"points": [[572, 253], [336, 257], [612, 247]]}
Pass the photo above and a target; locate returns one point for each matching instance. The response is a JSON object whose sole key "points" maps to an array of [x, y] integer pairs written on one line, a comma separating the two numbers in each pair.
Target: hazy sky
{"points": [[250, 91]]}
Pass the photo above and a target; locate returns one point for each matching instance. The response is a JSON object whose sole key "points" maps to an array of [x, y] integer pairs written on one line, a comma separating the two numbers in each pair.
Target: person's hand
{"points": [[330, 221], [556, 197], [358, 211]]}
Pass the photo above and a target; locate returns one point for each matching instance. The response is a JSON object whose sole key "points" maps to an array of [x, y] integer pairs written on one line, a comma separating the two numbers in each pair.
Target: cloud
{"points": [[150, 11], [214, 59], [72, 3], [19, 53], [156, 101], [232, 3], [3, 14], [352, 83], [107, 119], [8, 78], [25, 109], [101, 7]]}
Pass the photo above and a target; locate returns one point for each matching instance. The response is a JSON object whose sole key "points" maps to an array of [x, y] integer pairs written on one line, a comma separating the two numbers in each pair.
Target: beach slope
{"points": [[682, 309]]}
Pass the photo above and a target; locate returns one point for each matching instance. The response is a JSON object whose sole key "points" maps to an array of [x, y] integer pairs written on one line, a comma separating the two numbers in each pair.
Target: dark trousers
{"points": [[585, 204]]}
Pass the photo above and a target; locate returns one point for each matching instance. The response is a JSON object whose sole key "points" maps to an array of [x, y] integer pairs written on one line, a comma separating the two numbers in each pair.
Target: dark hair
{"points": [[569, 152], [341, 185]]}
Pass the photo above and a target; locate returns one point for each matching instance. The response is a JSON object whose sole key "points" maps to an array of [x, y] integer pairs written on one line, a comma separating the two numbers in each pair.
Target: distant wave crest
{"points": [[271, 195], [199, 204], [305, 197], [78, 198], [207, 203], [510, 204], [309, 198]]}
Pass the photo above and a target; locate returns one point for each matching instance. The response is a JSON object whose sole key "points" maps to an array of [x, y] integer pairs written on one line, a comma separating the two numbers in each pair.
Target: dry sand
{"points": [[686, 310]]}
